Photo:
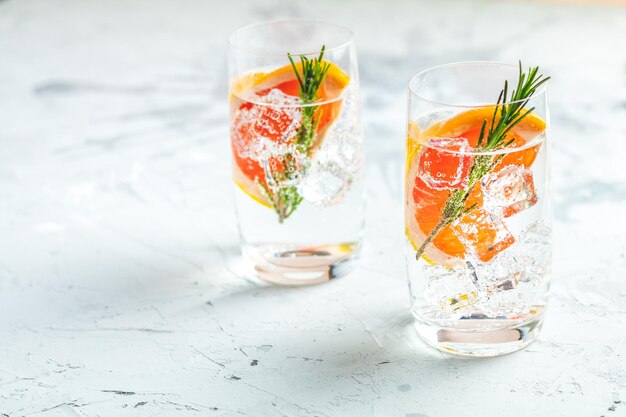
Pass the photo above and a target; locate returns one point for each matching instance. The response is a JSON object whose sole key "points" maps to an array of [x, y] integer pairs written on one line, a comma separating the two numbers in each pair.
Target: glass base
{"points": [[480, 337], [302, 265]]}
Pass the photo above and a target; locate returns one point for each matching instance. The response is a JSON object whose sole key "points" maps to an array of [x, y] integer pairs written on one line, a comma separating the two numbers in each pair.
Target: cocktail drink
{"points": [[297, 149], [477, 206]]}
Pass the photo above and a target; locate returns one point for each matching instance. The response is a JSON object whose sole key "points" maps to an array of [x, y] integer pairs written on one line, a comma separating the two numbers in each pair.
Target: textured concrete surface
{"points": [[121, 289]]}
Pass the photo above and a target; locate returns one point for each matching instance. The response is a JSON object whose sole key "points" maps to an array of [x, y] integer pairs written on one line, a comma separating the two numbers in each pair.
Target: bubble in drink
{"points": [[284, 166]]}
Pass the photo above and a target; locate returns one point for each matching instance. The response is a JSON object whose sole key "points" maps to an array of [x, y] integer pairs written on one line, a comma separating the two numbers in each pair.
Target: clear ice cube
{"points": [[272, 118], [451, 289], [337, 162], [509, 190], [325, 183], [445, 163], [502, 273], [494, 289], [342, 145], [508, 304], [533, 250], [502, 291], [482, 233], [342, 141]]}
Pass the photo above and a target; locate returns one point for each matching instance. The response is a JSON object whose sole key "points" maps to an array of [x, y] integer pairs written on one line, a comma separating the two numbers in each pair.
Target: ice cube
{"points": [[482, 233], [534, 251], [343, 146], [451, 289], [509, 190], [277, 98], [325, 183], [445, 164], [508, 304], [273, 117], [503, 291], [342, 141], [502, 273]]}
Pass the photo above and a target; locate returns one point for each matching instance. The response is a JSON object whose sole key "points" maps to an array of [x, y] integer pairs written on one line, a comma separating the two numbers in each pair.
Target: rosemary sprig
{"points": [[285, 200], [313, 73], [492, 139]]}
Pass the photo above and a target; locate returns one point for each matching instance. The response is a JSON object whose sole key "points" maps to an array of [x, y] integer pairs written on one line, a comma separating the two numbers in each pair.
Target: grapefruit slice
{"points": [[424, 203]]}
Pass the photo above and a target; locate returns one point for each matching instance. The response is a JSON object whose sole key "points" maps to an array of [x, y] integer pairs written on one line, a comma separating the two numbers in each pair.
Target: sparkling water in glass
{"points": [[477, 218], [297, 149]]}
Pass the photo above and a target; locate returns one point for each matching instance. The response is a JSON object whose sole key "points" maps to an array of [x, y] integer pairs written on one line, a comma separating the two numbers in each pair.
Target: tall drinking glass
{"points": [[297, 149], [477, 206]]}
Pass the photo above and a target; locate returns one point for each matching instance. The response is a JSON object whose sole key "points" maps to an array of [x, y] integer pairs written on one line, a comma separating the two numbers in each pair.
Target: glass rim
{"points": [[542, 89], [232, 44], [536, 141]]}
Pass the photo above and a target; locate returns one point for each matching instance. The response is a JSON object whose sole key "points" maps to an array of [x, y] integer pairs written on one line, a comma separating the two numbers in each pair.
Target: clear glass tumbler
{"points": [[477, 206], [297, 149]]}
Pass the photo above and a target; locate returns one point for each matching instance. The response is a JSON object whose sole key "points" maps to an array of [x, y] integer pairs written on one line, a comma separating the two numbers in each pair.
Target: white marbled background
{"points": [[121, 287]]}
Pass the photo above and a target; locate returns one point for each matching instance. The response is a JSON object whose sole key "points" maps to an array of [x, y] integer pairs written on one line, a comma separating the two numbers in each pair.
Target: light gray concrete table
{"points": [[121, 288]]}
